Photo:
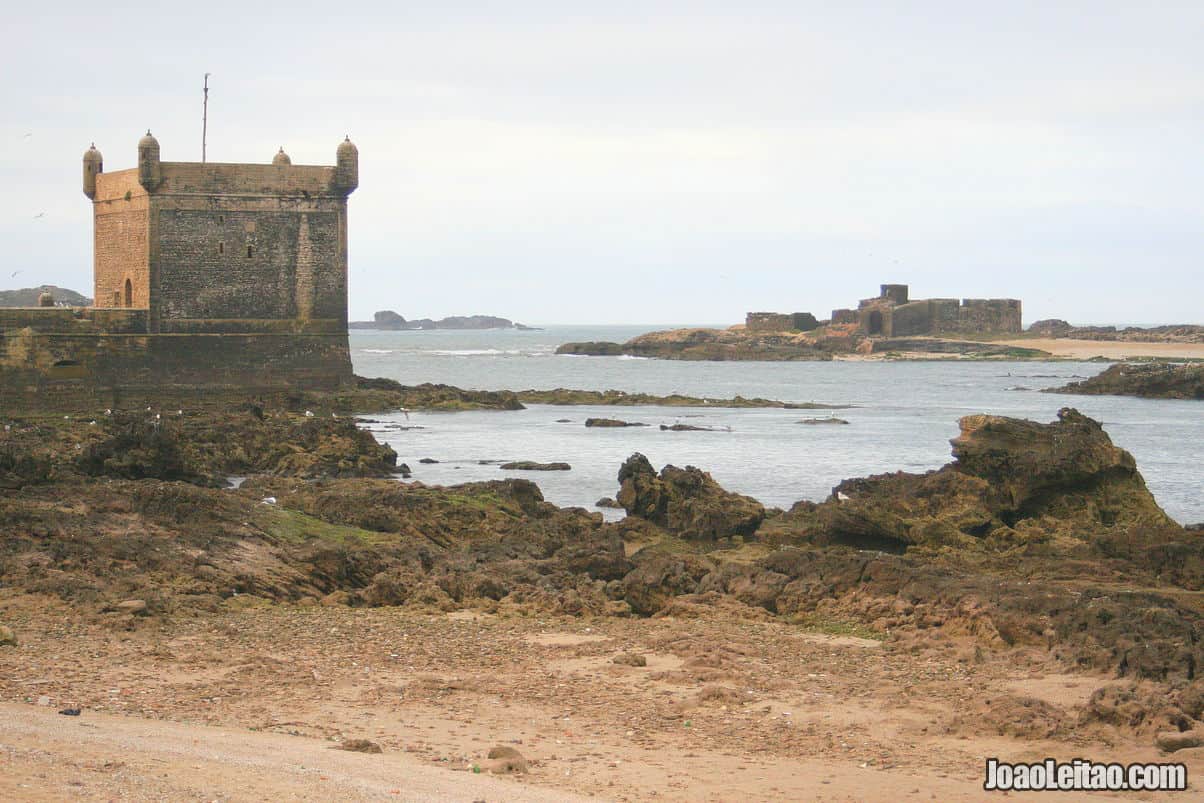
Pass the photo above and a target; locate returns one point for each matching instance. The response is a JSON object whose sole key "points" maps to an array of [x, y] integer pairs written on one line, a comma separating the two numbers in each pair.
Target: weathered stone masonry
{"points": [[892, 314]]}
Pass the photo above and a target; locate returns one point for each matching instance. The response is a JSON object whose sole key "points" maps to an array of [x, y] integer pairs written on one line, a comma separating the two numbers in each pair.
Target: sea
{"points": [[902, 416]]}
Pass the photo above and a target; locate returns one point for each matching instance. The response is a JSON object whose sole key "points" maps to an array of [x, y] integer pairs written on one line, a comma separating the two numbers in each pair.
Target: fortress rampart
{"points": [[892, 314]]}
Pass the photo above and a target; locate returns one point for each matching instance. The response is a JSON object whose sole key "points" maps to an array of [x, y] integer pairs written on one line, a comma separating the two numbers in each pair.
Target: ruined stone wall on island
{"points": [[780, 322], [985, 315], [767, 322]]}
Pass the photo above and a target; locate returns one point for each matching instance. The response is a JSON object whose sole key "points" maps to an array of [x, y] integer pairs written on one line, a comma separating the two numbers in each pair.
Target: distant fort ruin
{"points": [[205, 275], [892, 314]]}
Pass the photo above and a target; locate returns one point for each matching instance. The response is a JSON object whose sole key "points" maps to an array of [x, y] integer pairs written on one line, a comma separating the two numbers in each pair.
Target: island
{"points": [[893, 326], [388, 320]]}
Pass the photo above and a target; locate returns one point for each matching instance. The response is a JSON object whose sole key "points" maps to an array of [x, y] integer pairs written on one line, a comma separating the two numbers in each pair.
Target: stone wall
{"points": [[945, 315], [803, 321], [282, 262], [990, 315], [894, 293], [913, 318], [55, 356], [120, 241], [768, 322]]}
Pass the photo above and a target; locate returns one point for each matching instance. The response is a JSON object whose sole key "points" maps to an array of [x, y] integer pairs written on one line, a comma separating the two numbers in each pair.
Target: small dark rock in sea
{"points": [[564, 420], [689, 428], [611, 422], [428, 461], [529, 465], [829, 420], [815, 406], [404, 471], [606, 501]]}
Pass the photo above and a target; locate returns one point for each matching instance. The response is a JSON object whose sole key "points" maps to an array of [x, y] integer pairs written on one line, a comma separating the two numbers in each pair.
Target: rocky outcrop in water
{"points": [[389, 320], [531, 465], [1148, 380], [685, 501], [824, 343], [566, 396], [1012, 482]]}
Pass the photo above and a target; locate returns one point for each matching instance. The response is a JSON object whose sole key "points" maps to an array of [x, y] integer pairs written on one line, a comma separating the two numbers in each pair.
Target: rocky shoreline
{"points": [[823, 343], [1147, 380], [126, 507]]}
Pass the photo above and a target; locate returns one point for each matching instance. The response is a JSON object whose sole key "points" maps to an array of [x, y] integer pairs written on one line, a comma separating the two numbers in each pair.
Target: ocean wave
{"points": [[377, 351], [632, 357], [474, 352]]}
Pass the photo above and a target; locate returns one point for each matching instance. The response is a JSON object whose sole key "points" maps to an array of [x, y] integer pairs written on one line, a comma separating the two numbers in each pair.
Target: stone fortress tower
{"points": [[206, 275], [198, 242]]}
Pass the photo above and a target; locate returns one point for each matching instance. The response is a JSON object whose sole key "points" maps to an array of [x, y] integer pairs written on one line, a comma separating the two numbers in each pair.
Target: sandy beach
{"points": [[1110, 349], [731, 704]]}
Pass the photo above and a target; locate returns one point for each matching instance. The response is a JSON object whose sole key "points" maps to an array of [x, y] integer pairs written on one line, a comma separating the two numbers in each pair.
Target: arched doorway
{"points": [[128, 297], [875, 323]]}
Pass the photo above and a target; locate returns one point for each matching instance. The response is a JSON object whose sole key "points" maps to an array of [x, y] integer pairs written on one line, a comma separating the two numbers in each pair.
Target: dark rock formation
{"points": [[393, 394], [686, 428], [592, 348], [687, 502], [566, 396], [1012, 482], [1148, 380], [823, 343], [829, 420], [611, 423], [530, 465]]}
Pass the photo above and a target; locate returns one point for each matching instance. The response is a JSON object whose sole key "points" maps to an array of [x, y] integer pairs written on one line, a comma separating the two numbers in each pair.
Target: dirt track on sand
{"points": [[247, 704]]}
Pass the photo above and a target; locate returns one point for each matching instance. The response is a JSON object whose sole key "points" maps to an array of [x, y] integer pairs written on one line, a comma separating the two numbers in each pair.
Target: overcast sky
{"points": [[655, 162]]}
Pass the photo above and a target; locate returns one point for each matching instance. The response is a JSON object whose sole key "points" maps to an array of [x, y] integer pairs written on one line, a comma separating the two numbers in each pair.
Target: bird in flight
{"points": [[16, 272], [38, 215]]}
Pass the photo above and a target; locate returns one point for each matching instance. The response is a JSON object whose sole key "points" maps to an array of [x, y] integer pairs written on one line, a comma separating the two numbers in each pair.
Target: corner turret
{"points": [[347, 167], [93, 163], [149, 174]]}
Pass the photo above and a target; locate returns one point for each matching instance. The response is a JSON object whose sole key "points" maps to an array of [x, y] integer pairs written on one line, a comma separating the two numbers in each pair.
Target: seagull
{"points": [[268, 500], [38, 215], [404, 411], [841, 496], [309, 413], [16, 272]]}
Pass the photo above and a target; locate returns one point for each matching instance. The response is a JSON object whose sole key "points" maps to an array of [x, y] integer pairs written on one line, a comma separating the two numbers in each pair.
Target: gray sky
{"points": [[645, 162]]}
